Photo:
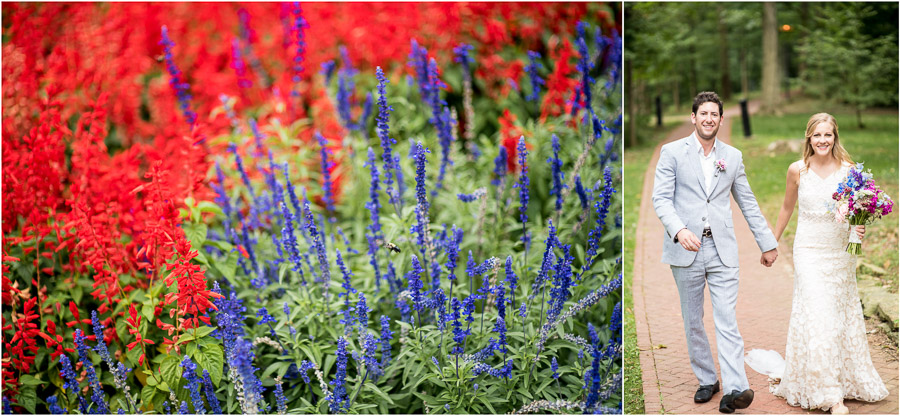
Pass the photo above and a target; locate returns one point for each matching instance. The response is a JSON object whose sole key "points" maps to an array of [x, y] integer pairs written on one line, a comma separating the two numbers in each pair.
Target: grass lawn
{"points": [[636, 161], [876, 145]]}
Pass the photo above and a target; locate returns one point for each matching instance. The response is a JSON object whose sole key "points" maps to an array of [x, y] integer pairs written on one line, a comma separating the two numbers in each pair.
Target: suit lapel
{"points": [[694, 159]]}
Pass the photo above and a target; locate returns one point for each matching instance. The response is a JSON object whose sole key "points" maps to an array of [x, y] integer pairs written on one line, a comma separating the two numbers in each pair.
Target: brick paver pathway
{"points": [[763, 310]]}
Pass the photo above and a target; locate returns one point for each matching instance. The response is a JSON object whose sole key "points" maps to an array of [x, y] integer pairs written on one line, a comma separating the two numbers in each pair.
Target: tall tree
{"points": [[770, 72], [724, 73]]}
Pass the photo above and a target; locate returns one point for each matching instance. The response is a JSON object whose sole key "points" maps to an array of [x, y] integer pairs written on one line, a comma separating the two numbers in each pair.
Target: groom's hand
{"points": [[768, 258], [688, 240]]}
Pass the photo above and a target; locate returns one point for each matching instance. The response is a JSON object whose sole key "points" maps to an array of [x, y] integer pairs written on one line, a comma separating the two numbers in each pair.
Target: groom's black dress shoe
{"points": [[736, 400], [705, 393]]}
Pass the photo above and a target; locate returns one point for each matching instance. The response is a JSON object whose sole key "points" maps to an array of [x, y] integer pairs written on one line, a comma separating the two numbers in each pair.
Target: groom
{"points": [[695, 179]]}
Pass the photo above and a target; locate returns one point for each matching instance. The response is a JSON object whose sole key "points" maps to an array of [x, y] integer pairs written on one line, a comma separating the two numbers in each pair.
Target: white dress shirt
{"points": [[708, 166]]}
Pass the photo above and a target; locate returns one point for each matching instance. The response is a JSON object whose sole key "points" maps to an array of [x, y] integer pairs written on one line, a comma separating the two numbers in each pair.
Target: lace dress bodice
{"points": [[816, 226]]}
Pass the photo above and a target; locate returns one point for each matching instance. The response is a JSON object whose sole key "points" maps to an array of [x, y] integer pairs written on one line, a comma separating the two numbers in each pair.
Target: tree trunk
{"points": [[770, 75], [692, 71], [745, 77], [676, 99], [725, 91], [804, 37], [630, 97]]}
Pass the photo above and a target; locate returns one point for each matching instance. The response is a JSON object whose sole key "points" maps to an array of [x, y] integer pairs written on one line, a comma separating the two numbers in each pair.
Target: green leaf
{"points": [[28, 398], [147, 397], [374, 389], [147, 309], [211, 358], [170, 369], [196, 232], [207, 206], [30, 380]]}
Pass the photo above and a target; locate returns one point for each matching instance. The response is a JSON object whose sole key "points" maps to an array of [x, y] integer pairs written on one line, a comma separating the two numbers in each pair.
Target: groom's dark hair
{"points": [[706, 97]]}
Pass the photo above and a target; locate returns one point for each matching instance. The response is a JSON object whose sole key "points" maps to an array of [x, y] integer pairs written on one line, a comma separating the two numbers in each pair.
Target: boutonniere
{"points": [[720, 166]]}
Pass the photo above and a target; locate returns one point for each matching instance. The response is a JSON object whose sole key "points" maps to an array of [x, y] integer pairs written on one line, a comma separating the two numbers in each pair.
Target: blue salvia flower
{"points": [[279, 398], [480, 192], [182, 89], [420, 228], [93, 381], [344, 92], [267, 319], [554, 366], [386, 337], [415, 284], [327, 186], [500, 324], [305, 366], [562, 282], [290, 242], [500, 163], [183, 409], [339, 399], [120, 373], [70, 382], [298, 26], [502, 372], [536, 81], [242, 363], [511, 279], [523, 182], [247, 35], [522, 310], [391, 164], [461, 56], [319, 247], [286, 309], [193, 384], [210, 391], [374, 207], [229, 321], [328, 68], [369, 346], [363, 120], [582, 193], [167, 408], [615, 321], [546, 262], [456, 236], [584, 66], [602, 210], [557, 174], [418, 59], [435, 362], [52, 406], [615, 54], [347, 320], [439, 304], [362, 313], [592, 332]]}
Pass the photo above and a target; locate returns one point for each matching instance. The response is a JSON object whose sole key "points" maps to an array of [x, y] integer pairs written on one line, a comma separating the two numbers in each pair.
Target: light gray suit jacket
{"points": [[681, 201]]}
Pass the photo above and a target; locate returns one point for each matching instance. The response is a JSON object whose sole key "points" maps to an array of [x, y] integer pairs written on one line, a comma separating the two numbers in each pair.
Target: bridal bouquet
{"points": [[860, 202]]}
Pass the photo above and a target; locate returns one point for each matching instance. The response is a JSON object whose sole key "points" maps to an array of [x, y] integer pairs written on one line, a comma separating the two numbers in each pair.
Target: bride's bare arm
{"points": [[790, 199]]}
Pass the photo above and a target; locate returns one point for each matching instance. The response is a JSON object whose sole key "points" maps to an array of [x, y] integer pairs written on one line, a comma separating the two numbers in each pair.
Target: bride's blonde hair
{"points": [[837, 151]]}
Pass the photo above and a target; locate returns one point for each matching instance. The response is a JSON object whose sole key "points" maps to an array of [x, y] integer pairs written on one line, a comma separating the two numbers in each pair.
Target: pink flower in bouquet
{"points": [[840, 213]]}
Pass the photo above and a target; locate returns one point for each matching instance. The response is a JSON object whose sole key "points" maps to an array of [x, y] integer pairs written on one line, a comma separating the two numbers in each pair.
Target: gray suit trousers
{"points": [[707, 268]]}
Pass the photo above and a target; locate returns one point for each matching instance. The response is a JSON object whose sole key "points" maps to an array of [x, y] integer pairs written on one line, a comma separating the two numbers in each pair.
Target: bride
{"points": [[827, 357]]}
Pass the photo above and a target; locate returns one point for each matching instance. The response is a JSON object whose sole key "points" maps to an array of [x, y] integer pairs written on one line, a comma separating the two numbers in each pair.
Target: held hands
{"points": [[861, 231], [688, 240], [768, 258]]}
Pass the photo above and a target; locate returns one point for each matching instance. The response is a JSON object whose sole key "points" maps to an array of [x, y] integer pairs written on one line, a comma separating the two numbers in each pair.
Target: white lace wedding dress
{"points": [[827, 354]]}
